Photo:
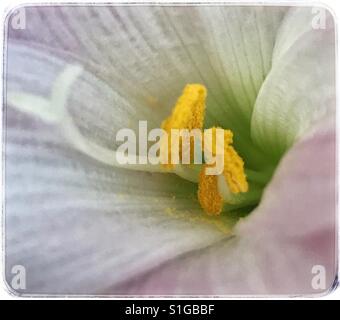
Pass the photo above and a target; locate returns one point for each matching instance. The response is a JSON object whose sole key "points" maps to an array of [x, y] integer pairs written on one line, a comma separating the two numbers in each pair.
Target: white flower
{"points": [[76, 75]]}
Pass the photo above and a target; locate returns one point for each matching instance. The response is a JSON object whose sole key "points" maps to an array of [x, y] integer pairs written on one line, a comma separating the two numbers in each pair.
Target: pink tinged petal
{"points": [[277, 246]]}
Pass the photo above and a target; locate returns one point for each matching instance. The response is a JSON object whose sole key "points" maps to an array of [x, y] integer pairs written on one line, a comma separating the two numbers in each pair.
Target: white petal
{"points": [[300, 88], [100, 111], [147, 55], [56, 105], [239, 42], [78, 226], [150, 53]]}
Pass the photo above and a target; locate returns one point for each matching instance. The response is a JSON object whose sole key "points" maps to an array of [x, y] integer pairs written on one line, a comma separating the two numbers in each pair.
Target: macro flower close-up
{"points": [[92, 96]]}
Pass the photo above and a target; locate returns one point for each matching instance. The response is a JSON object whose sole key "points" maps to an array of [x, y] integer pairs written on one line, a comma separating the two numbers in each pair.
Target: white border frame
{"points": [[8, 5]]}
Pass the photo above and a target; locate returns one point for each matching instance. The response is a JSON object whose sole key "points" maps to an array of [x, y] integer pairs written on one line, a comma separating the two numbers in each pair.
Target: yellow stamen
{"points": [[233, 172], [208, 195], [188, 113]]}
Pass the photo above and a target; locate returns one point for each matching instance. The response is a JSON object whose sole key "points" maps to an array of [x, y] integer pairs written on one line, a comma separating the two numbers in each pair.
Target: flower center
{"points": [[214, 189]]}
